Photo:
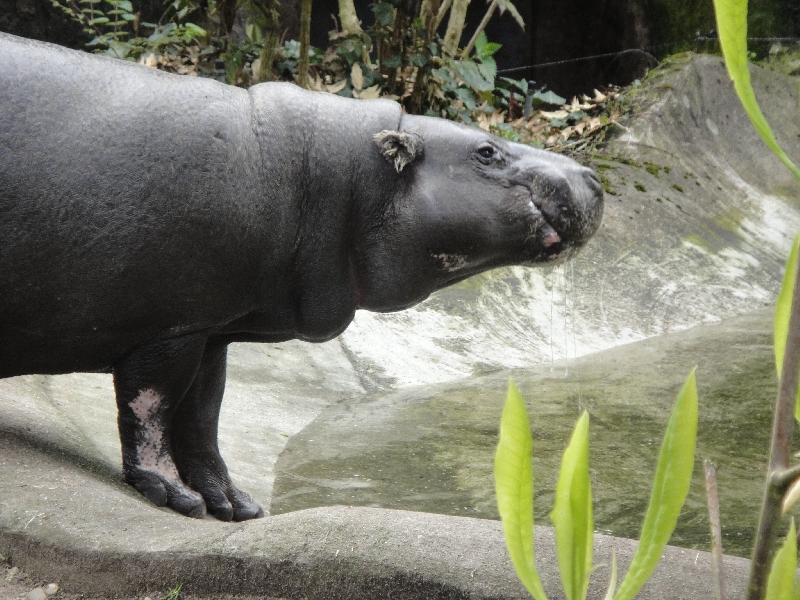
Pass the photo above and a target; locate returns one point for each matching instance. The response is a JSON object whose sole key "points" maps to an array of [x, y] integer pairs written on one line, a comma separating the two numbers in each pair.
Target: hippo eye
{"points": [[487, 154]]}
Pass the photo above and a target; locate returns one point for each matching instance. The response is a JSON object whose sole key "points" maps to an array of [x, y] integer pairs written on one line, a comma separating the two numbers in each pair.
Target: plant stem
{"points": [[455, 26], [780, 454], [716, 534], [432, 8], [441, 13], [398, 45], [305, 42], [486, 17]]}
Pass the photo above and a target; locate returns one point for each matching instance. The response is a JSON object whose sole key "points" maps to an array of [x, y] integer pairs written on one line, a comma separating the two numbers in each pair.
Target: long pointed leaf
{"points": [[671, 485], [506, 5], [572, 514], [783, 308], [612, 584], [513, 476], [732, 27], [780, 585]]}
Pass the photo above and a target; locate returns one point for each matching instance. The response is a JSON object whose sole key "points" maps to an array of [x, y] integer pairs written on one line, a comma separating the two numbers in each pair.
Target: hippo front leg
{"points": [[194, 435], [150, 383]]}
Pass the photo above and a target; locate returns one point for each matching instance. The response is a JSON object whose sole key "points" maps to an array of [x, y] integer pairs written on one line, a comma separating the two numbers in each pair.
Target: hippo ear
{"points": [[399, 147]]}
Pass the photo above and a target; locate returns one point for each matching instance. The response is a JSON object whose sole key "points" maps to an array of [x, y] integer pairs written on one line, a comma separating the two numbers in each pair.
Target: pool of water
{"points": [[431, 448]]}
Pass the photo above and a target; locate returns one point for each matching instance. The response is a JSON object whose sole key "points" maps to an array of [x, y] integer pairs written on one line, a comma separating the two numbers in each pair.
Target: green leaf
{"points": [[670, 487], [195, 30], [480, 42], [472, 76], [384, 13], [732, 27], [513, 476], [506, 5], [783, 308], [520, 84], [549, 97], [418, 60], [392, 62], [612, 583], [572, 514], [488, 69], [99, 21], [780, 583]]}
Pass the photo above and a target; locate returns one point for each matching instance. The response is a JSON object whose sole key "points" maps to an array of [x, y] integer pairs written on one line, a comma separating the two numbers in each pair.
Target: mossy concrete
{"points": [[431, 448]]}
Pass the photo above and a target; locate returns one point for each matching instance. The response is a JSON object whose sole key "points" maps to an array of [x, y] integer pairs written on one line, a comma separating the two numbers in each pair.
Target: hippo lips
{"points": [[553, 247]]}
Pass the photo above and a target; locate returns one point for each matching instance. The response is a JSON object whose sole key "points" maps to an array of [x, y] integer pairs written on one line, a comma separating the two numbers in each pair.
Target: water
{"points": [[431, 448]]}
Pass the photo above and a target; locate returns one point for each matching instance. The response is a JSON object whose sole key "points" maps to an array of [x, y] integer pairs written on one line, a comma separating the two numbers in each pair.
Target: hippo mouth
{"points": [[565, 213], [544, 242]]}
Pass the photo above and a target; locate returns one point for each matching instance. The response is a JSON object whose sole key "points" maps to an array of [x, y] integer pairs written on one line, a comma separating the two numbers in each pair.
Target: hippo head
{"points": [[469, 201]]}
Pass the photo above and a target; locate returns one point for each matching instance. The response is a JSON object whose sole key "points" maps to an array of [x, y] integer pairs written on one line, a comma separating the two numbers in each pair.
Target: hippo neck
{"points": [[327, 184]]}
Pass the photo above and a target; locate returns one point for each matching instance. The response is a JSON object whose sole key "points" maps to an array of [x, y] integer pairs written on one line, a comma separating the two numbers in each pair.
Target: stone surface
{"points": [[664, 260], [36, 594]]}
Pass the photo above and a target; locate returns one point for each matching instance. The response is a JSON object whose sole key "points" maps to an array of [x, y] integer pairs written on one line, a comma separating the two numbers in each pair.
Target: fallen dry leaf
{"points": [[256, 66], [594, 124], [150, 61], [575, 106], [558, 114], [336, 87], [368, 94], [357, 76]]}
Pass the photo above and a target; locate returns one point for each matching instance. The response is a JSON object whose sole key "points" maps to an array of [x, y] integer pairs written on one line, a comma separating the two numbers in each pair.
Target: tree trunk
{"points": [[270, 23], [455, 26], [305, 42], [227, 13], [348, 17]]}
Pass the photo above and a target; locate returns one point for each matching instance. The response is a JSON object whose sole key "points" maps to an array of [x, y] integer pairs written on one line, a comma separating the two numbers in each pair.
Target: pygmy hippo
{"points": [[148, 220]]}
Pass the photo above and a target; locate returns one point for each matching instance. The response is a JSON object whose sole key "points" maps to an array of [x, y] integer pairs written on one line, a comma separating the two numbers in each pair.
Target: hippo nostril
{"points": [[592, 179]]}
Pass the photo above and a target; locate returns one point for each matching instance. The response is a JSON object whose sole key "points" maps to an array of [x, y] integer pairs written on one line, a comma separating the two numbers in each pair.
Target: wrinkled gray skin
{"points": [[148, 220]]}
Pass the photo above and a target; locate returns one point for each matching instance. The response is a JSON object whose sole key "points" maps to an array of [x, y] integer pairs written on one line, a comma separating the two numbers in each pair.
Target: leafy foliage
{"points": [[670, 487], [118, 32], [732, 25], [780, 584], [397, 57], [572, 513], [514, 485], [783, 308]]}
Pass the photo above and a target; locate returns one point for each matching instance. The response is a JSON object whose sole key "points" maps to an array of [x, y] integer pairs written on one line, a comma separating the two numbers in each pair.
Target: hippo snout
{"points": [[570, 200]]}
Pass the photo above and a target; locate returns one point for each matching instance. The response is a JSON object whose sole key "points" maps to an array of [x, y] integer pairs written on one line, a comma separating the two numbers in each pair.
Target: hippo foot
{"points": [[162, 492], [223, 500]]}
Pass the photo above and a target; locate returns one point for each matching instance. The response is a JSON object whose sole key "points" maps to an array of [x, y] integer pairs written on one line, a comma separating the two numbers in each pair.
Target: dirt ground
{"points": [[16, 585]]}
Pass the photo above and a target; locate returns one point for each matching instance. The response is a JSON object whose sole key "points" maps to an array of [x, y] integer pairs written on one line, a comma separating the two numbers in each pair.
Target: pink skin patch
{"points": [[151, 451], [551, 239], [451, 262]]}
